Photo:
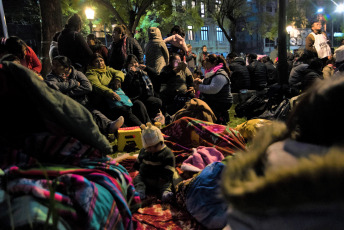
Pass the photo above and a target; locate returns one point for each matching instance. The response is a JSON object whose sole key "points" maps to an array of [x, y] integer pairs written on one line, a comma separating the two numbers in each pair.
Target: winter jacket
{"points": [[100, 82], [201, 57], [258, 75], [52, 105], [73, 45], [116, 57], [31, 61], [240, 77], [285, 184], [157, 55], [272, 73], [328, 71], [223, 96], [77, 86], [297, 74], [175, 82], [310, 77], [137, 85]]}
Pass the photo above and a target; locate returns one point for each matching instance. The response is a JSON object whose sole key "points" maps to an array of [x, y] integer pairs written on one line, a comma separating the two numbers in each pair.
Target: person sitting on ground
{"points": [[73, 45], [138, 86], [240, 77], [258, 73], [156, 165], [272, 71], [121, 47], [97, 46], [176, 80], [28, 57], [102, 79], [312, 73], [215, 88], [66, 79]]}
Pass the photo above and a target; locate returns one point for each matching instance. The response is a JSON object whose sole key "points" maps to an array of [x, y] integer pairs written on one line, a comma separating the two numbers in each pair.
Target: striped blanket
{"points": [[98, 194]]}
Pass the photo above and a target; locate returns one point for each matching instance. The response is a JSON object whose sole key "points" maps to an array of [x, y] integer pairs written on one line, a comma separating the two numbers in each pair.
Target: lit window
{"points": [[202, 10], [269, 43], [219, 34], [190, 33], [204, 33]]}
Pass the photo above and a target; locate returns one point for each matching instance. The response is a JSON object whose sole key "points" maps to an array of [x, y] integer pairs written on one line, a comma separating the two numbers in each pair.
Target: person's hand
{"points": [[133, 68], [191, 89], [142, 66], [197, 81], [115, 96], [194, 55]]}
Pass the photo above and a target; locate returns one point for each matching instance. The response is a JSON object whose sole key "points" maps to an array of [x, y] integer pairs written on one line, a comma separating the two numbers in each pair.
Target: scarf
{"points": [[100, 70], [124, 47], [210, 72]]}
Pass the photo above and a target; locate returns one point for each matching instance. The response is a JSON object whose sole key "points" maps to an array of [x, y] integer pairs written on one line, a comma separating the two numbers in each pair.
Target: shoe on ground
{"points": [[115, 125]]}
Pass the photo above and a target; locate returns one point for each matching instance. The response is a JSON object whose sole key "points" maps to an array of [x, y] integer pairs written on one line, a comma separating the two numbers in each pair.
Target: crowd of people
{"points": [[118, 88], [171, 75]]}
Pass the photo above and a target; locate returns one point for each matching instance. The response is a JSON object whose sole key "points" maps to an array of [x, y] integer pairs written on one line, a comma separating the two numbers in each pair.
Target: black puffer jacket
{"points": [[240, 77], [73, 45], [258, 75]]}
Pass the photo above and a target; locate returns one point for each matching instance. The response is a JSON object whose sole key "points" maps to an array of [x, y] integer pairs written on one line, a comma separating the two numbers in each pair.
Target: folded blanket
{"points": [[200, 158]]}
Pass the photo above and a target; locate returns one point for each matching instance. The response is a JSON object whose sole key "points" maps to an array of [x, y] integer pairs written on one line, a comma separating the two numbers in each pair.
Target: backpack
{"points": [[253, 107]]}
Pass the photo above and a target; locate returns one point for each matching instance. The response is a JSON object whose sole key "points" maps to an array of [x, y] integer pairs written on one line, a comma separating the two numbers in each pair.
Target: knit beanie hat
{"points": [[151, 135]]}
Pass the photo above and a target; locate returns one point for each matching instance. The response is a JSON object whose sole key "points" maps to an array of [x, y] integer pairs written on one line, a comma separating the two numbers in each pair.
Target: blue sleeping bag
{"points": [[203, 199]]}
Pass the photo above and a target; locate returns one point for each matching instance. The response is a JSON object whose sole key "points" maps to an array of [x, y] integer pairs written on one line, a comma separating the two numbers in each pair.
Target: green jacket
{"points": [[100, 80]]}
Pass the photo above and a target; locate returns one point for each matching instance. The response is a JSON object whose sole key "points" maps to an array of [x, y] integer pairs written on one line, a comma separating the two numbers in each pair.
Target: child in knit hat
{"points": [[156, 164]]}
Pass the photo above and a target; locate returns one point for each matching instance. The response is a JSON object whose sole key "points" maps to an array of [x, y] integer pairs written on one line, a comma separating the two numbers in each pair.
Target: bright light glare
{"points": [[289, 29], [320, 10], [89, 13], [340, 8]]}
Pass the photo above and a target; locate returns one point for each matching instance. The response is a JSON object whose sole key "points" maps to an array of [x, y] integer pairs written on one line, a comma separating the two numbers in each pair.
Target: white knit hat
{"points": [[151, 135]]}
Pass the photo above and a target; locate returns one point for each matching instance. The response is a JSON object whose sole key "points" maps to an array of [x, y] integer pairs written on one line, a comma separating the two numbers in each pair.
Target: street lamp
{"points": [[90, 16], [289, 29]]}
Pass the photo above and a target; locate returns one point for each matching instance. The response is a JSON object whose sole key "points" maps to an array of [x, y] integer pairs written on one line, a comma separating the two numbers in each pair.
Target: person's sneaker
{"points": [[115, 125]]}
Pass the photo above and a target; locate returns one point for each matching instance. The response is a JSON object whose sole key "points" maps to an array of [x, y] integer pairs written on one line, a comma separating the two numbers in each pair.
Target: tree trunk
{"points": [[233, 40], [51, 14]]}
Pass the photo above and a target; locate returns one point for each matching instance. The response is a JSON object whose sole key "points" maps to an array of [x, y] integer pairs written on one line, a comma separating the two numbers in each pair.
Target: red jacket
{"points": [[31, 61]]}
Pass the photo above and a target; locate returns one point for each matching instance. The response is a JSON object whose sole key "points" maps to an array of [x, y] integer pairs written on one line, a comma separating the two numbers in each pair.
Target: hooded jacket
{"points": [[157, 55], [240, 77], [77, 86], [285, 184]]}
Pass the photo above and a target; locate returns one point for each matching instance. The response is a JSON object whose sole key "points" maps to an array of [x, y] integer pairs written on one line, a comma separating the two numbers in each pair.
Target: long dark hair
{"points": [[318, 115], [63, 60], [216, 60], [15, 46]]}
